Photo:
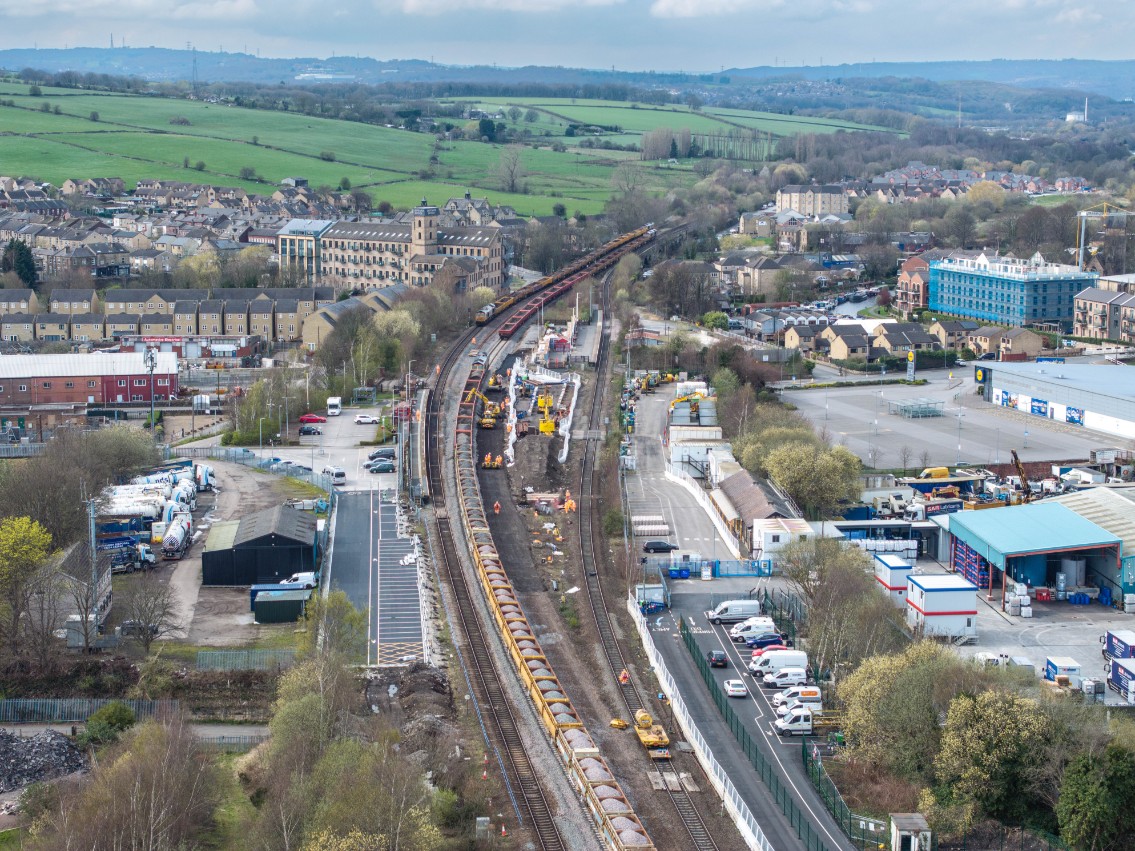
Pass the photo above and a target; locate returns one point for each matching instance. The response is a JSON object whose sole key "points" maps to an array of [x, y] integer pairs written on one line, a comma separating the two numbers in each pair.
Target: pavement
{"points": [[649, 491]]}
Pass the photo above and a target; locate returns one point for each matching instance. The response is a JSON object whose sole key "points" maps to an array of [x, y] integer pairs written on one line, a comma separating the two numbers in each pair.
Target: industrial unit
{"points": [[1095, 396], [259, 548], [1042, 545]]}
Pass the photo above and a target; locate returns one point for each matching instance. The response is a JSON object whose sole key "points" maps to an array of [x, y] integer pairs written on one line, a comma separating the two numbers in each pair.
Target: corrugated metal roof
{"points": [[997, 533], [96, 363], [1111, 509], [283, 520], [221, 535]]}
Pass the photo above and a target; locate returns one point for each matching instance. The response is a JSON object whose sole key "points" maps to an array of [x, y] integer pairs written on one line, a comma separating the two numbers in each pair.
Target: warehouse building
{"points": [[260, 548], [1095, 396], [1037, 545], [99, 378]]}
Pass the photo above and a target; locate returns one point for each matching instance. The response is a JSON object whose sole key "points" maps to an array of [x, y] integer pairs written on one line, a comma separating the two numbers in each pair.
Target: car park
{"points": [[659, 547], [735, 688], [313, 418], [309, 430], [717, 659], [366, 419]]}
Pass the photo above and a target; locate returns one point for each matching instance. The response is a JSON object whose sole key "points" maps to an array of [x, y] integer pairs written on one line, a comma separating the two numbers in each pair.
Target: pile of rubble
{"points": [[40, 757]]}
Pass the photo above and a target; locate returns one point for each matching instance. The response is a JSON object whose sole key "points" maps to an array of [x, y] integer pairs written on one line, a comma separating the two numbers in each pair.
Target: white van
{"points": [[798, 694], [733, 611], [752, 626], [334, 406], [814, 705], [774, 660], [786, 678], [337, 475]]}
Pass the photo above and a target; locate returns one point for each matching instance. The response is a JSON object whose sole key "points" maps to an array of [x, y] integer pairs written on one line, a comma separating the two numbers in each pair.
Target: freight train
{"points": [[575, 271], [604, 798]]}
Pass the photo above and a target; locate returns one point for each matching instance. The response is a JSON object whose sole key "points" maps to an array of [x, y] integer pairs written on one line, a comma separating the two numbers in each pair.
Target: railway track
{"points": [[590, 549], [487, 679]]}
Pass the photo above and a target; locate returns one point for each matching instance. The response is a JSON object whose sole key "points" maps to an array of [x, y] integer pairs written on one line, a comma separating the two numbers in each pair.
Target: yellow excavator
{"points": [[489, 412], [1026, 490]]}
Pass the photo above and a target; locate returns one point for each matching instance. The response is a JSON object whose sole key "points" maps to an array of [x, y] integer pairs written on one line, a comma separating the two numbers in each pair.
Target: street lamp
{"points": [[958, 463], [260, 423], [150, 358]]}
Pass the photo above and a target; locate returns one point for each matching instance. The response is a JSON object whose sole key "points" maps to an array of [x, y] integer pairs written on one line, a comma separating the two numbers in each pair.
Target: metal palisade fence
{"points": [[244, 660], [781, 793], [44, 710], [863, 831]]}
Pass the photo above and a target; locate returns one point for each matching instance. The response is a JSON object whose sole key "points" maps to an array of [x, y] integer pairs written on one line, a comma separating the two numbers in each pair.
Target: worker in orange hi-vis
{"points": [[624, 677], [496, 508]]}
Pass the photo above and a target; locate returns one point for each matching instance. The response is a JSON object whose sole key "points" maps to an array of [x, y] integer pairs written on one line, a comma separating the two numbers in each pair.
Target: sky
{"points": [[630, 35]]}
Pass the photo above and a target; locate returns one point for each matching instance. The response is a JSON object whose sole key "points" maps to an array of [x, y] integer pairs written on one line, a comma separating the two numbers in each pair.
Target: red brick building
{"points": [[91, 379]]}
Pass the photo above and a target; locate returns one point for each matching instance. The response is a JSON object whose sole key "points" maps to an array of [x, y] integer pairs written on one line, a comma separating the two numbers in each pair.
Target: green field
{"points": [[133, 139]]}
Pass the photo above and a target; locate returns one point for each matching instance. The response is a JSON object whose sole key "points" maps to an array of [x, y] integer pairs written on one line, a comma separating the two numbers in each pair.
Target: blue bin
{"points": [[674, 572], [684, 573], [1105, 596]]}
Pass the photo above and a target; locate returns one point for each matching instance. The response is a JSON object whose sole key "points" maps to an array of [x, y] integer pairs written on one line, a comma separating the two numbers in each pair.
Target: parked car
{"points": [[988, 356], [309, 430], [313, 418], [382, 465], [764, 639], [761, 651], [366, 419], [717, 659], [137, 628], [735, 688], [388, 452], [659, 547], [307, 579]]}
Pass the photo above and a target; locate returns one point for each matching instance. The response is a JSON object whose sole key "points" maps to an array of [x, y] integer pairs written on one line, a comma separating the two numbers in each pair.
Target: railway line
{"points": [[613, 819], [591, 549]]}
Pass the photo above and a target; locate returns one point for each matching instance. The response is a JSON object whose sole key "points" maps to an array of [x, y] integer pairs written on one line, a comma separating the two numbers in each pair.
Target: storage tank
{"points": [[1076, 571]]}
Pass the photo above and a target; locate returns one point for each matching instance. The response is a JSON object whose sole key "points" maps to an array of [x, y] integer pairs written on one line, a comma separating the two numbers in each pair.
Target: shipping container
{"points": [[1120, 644], [1056, 666]]}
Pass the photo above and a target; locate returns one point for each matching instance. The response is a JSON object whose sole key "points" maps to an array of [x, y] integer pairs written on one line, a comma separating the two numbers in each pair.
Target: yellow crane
{"points": [[490, 411], [1026, 491]]}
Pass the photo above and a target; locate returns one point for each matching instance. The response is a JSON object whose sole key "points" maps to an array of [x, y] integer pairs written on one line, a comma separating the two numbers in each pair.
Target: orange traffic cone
{"points": [[503, 831], [485, 774], [485, 761]]}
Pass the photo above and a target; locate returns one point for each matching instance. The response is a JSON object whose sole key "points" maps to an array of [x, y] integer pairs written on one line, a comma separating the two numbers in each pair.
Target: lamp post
{"points": [[260, 424], [959, 460], [150, 358]]}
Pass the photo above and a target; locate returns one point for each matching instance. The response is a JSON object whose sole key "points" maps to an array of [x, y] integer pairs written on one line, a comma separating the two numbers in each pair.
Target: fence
{"points": [[22, 450], [781, 793], [863, 831], [995, 837], [244, 660], [45, 710], [739, 810], [232, 743]]}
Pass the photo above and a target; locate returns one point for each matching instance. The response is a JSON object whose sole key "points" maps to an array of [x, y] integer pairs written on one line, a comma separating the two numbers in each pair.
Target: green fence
{"points": [[863, 831], [781, 793], [786, 611], [58, 710], [244, 660]]}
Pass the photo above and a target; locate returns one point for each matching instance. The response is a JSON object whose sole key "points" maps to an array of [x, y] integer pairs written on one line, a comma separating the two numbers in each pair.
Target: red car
{"points": [[312, 418], [761, 651]]}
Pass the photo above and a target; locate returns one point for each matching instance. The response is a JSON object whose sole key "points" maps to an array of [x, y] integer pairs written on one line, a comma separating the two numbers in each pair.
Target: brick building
{"points": [[93, 379]]}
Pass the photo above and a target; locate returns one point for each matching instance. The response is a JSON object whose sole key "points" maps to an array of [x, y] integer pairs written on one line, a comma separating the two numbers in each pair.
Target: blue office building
{"points": [[1006, 290]]}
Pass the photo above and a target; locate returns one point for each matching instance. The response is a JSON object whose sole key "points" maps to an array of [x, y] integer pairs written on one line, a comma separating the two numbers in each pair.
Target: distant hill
{"points": [[1113, 78]]}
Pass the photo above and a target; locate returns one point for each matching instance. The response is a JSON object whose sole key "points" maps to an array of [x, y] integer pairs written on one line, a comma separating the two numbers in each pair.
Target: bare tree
{"points": [[626, 177], [151, 606], [906, 455], [43, 612], [924, 458], [510, 170]]}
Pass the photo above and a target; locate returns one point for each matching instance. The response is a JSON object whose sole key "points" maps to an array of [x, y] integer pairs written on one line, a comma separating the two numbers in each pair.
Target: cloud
{"points": [[797, 9], [438, 7], [90, 10]]}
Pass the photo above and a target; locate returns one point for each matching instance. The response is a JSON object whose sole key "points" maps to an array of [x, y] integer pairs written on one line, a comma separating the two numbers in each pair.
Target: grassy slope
{"points": [[133, 139]]}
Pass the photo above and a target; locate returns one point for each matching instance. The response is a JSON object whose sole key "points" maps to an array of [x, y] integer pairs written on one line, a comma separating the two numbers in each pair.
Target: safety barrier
{"points": [[244, 660]]}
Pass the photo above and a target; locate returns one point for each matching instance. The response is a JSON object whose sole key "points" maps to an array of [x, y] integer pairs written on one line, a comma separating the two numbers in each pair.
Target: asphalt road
{"points": [[651, 492]]}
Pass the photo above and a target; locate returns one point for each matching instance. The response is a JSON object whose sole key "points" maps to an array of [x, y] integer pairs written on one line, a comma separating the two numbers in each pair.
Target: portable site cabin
{"points": [[891, 572], [941, 604]]}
